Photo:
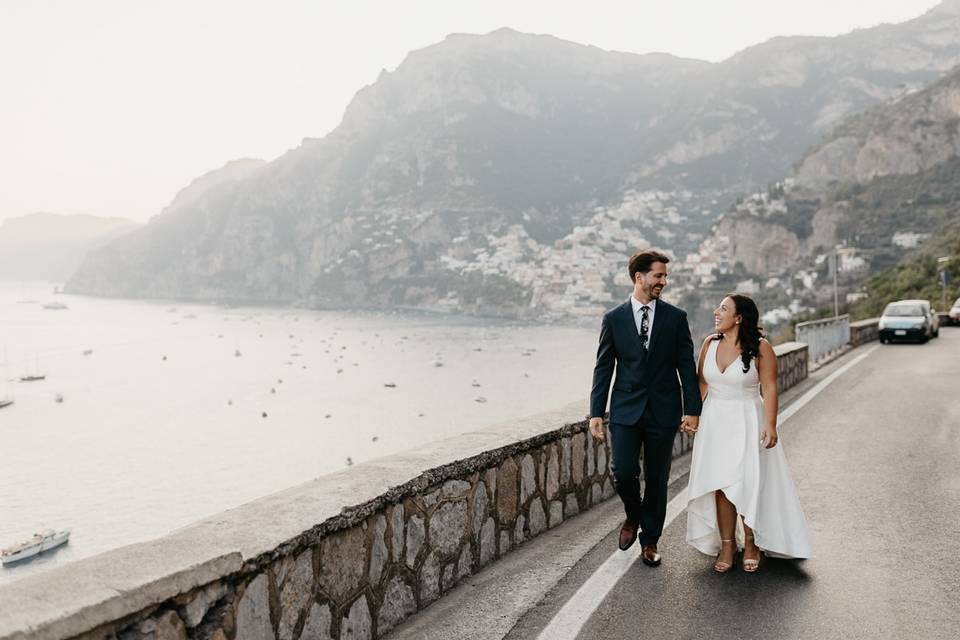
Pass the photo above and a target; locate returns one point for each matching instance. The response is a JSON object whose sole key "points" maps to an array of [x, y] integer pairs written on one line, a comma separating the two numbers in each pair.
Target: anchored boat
{"points": [[40, 542]]}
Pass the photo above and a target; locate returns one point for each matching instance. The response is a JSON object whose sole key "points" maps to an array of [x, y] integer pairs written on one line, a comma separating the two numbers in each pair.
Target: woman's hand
{"points": [[769, 436]]}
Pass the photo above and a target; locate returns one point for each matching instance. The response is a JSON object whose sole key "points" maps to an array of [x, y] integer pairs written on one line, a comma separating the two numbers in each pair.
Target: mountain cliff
{"points": [[488, 172]]}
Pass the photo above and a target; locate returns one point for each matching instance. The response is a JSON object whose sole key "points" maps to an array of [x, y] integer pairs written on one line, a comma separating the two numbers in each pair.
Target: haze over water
{"points": [[142, 445]]}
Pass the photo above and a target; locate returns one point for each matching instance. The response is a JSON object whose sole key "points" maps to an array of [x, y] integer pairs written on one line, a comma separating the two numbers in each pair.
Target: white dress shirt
{"points": [[638, 316]]}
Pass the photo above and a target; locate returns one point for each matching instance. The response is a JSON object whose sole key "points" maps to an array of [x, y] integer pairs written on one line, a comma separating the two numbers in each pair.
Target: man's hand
{"points": [[689, 424], [596, 429]]}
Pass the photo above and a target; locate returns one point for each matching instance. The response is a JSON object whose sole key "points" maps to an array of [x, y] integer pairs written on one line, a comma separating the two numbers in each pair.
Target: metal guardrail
{"points": [[824, 337]]}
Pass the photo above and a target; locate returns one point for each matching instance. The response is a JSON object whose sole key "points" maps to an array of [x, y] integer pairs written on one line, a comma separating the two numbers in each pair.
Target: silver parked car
{"points": [[909, 320], [953, 316]]}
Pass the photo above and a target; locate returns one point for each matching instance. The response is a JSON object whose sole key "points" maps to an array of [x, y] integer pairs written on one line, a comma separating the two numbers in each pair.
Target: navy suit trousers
{"points": [[656, 441]]}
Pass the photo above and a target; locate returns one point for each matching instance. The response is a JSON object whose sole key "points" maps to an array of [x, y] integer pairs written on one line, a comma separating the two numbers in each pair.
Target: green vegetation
{"points": [[916, 276]]}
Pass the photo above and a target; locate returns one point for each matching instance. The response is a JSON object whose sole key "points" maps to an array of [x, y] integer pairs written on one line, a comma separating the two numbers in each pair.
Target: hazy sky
{"points": [[111, 106]]}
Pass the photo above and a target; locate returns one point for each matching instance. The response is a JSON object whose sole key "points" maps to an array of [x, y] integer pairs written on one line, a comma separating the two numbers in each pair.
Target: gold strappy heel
{"points": [[751, 565], [723, 567]]}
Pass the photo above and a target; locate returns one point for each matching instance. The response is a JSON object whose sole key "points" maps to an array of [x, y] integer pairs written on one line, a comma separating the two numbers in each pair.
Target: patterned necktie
{"points": [[644, 326]]}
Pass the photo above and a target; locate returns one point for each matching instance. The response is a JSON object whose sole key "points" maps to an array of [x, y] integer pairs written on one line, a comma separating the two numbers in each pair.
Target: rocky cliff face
{"points": [[881, 182], [483, 152]]}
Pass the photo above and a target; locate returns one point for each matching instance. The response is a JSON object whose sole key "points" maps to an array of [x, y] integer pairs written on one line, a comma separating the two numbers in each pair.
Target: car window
{"points": [[903, 310]]}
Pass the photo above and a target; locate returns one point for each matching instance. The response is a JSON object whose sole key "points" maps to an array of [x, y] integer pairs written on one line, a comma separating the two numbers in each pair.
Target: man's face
{"points": [[651, 283]]}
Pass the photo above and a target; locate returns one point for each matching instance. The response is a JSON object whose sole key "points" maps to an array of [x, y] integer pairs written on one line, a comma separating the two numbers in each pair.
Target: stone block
{"points": [[541, 470], [416, 534], [396, 533], [596, 493], [528, 478], [448, 525], [343, 563], [357, 625], [602, 458], [455, 489], [518, 536], [570, 505], [317, 625], [565, 446], [577, 458], [197, 608], [378, 549], [447, 581], [169, 626], [488, 541], [430, 579], [507, 502], [253, 611], [538, 519], [553, 473], [479, 507], [430, 498], [490, 475], [465, 563], [556, 513], [608, 490], [591, 452], [296, 592], [399, 602], [505, 543]]}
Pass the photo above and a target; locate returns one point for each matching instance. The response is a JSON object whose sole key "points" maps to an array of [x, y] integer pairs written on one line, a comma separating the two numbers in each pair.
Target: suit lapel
{"points": [[660, 319]]}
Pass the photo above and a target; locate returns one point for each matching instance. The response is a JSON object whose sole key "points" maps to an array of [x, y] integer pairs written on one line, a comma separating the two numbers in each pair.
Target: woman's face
{"points": [[725, 316]]}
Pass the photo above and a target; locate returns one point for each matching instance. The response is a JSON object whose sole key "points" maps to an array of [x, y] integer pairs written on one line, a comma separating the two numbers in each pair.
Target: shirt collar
{"points": [[636, 304]]}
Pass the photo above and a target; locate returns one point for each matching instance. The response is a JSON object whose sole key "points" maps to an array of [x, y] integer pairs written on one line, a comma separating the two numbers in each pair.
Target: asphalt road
{"points": [[876, 459]]}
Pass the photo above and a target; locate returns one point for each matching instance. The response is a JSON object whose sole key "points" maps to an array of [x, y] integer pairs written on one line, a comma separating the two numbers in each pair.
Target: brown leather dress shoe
{"points": [[628, 534], [649, 555]]}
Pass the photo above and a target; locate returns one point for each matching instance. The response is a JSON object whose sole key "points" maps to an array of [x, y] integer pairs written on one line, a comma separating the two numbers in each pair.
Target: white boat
{"points": [[55, 305], [40, 542]]}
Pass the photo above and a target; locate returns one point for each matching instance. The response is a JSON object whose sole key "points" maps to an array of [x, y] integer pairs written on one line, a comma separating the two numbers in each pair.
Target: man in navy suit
{"points": [[656, 391]]}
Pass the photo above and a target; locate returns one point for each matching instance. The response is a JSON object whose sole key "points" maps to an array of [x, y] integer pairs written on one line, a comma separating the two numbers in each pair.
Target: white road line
{"points": [[569, 621]]}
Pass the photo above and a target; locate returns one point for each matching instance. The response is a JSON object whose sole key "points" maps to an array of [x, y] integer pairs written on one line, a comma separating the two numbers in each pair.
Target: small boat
{"points": [[390, 385], [87, 352], [55, 305], [5, 403], [58, 398], [40, 542], [32, 378]]}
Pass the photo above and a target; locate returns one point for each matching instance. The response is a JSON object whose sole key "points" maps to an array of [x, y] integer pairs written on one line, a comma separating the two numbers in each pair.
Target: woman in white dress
{"points": [[739, 474]]}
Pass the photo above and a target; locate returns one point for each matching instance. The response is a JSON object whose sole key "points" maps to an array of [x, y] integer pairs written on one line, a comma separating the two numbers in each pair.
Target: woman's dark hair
{"points": [[642, 261], [750, 330]]}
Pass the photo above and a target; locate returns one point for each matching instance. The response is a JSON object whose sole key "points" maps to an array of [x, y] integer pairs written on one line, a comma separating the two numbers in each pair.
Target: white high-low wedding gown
{"points": [[728, 455]]}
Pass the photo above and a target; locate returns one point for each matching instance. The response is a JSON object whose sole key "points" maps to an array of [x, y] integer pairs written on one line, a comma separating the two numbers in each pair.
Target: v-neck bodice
{"points": [[732, 381]]}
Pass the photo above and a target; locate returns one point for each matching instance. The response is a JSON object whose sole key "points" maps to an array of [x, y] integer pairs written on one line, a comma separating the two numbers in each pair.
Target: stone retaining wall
{"points": [[300, 565], [793, 364], [864, 331]]}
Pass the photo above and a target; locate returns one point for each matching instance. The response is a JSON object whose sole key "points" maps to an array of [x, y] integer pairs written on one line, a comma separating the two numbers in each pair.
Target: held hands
{"points": [[596, 428], [689, 424], [769, 437]]}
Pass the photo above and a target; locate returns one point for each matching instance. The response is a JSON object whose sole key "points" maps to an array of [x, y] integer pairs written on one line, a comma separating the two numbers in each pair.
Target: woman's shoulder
{"points": [[765, 346], [712, 337]]}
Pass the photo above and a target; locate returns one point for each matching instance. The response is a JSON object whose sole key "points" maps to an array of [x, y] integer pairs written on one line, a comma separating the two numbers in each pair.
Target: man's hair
{"points": [[641, 262]]}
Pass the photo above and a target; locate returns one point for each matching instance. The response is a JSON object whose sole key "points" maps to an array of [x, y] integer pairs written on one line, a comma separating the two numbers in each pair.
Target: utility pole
{"points": [[942, 273], [836, 293]]}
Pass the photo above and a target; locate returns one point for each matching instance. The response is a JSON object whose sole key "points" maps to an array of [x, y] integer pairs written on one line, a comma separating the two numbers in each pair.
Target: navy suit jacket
{"points": [[662, 378]]}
